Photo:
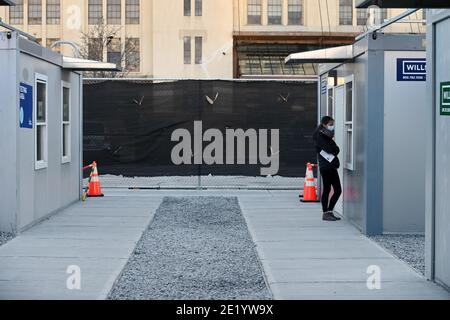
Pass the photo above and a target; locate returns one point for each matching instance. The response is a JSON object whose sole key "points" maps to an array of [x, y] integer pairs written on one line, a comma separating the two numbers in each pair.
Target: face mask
{"points": [[331, 128]]}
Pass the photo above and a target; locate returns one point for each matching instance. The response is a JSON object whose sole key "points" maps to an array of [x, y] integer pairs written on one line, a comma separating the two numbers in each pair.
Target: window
{"points": [[198, 50], [187, 50], [34, 12], [65, 123], [51, 41], [95, 11], [268, 59], [330, 105], [254, 12], [114, 11], [95, 49], [295, 16], [424, 16], [133, 60], [349, 116], [346, 12], [16, 13], [361, 17], [198, 8], [114, 52], [53, 12], [132, 12], [187, 8], [40, 117], [274, 10], [384, 15]]}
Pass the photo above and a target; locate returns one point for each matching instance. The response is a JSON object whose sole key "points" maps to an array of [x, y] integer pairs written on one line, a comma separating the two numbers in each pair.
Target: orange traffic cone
{"points": [[94, 189], [309, 189]]}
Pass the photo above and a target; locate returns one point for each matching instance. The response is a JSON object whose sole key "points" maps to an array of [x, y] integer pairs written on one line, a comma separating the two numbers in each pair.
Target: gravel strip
{"points": [[409, 248], [196, 248], [5, 237]]}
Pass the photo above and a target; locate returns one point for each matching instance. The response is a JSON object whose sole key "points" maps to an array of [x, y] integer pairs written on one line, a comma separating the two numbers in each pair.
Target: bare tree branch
{"points": [[102, 42]]}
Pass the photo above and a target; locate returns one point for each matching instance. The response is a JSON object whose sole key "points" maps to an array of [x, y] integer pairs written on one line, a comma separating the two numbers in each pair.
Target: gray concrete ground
{"points": [[302, 256], [97, 236]]}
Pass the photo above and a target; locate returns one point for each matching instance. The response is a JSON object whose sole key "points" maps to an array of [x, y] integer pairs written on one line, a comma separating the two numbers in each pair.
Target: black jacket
{"points": [[326, 143]]}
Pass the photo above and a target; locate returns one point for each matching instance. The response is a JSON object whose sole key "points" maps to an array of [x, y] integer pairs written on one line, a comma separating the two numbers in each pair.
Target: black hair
{"points": [[326, 120]]}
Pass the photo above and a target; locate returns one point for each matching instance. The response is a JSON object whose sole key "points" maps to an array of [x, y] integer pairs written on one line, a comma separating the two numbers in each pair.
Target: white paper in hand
{"points": [[327, 156]]}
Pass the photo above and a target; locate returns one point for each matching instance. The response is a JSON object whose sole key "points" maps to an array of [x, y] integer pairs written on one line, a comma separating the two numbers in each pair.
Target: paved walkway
{"points": [[306, 258], [303, 257], [98, 236]]}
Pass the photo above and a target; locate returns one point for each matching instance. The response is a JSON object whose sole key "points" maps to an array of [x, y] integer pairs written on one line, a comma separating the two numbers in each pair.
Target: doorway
{"points": [[338, 115]]}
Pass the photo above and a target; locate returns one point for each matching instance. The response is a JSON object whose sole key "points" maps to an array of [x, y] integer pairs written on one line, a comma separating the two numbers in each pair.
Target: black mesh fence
{"points": [[128, 127]]}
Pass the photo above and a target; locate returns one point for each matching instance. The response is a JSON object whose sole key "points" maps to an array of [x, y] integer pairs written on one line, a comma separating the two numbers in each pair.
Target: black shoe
{"points": [[328, 216], [335, 216]]}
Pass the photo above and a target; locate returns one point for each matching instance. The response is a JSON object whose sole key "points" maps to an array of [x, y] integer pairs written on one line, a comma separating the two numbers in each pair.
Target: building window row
{"points": [[114, 11], [275, 12], [95, 12], [53, 12]]}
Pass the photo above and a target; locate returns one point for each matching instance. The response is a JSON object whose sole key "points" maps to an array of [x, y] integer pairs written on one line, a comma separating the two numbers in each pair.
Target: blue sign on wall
{"points": [[26, 106], [411, 69]]}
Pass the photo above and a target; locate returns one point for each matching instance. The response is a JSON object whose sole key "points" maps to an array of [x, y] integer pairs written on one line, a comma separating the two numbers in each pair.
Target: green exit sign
{"points": [[445, 98]]}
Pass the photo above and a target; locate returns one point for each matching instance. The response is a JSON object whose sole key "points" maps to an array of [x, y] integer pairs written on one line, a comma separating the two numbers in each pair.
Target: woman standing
{"points": [[328, 151]]}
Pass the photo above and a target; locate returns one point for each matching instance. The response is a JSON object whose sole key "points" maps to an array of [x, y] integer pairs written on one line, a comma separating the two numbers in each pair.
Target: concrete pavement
{"points": [[97, 236], [302, 257], [306, 258]]}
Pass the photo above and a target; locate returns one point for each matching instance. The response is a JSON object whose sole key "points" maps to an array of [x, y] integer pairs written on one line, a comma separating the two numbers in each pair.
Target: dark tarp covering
{"points": [[128, 124]]}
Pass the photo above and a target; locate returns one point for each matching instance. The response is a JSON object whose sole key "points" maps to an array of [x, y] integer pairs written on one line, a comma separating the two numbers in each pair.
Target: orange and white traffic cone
{"points": [[94, 189], [309, 189]]}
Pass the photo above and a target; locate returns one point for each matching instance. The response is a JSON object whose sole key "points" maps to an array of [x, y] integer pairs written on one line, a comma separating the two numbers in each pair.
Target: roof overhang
{"points": [[88, 65], [403, 3], [7, 3], [329, 55]]}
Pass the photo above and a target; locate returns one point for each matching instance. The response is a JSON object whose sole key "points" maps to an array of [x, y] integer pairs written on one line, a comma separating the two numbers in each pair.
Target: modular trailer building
{"points": [[438, 147], [40, 130], [376, 91], [437, 128]]}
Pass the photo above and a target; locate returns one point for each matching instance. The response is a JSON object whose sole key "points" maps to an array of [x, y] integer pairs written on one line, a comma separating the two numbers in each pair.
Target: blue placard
{"points": [[411, 69], [26, 106]]}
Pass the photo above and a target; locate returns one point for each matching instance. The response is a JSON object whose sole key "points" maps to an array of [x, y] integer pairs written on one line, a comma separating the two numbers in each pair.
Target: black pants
{"points": [[330, 179]]}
